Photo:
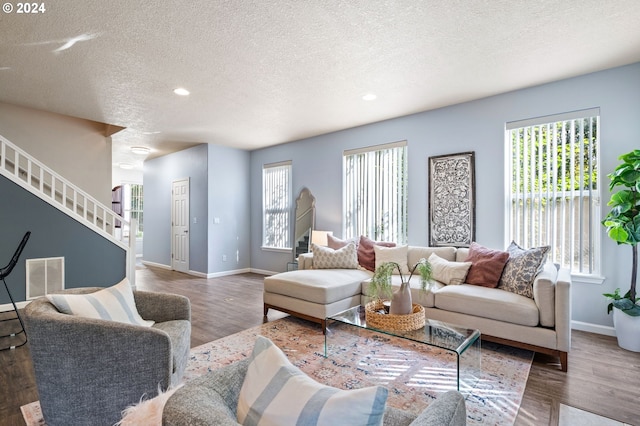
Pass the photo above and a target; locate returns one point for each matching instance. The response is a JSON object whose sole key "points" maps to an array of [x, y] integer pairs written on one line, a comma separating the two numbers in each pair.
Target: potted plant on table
{"points": [[623, 226], [401, 302]]}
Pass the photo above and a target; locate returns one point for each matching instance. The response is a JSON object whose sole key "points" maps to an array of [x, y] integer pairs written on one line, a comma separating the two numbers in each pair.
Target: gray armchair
{"points": [[88, 370], [211, 400]]}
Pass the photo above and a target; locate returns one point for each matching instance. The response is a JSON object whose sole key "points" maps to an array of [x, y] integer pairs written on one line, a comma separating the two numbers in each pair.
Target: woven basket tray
{"points": [[388, 322]]}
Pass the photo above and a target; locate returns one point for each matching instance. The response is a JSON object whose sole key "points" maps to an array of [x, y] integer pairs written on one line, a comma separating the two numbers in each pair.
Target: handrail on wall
{"points": [[35, 177]]}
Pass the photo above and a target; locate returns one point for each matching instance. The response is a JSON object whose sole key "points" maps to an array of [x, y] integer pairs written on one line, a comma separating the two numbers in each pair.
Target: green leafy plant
{"points": [[380, 286], [623, 224]]}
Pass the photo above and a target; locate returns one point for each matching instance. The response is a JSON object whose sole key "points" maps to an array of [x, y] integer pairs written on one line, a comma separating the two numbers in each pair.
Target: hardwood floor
{"points": [[602, 378]]}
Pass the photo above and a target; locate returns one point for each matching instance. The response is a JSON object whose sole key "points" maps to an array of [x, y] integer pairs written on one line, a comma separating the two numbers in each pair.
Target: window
{"points": [[554, 191], [133, 205], [375, 192], [276, 205]]}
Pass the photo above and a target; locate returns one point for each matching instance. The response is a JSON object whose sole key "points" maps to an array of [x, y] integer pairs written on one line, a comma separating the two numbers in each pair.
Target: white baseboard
{"points": [[156, 265], [227, 273], [263, 272], [593, 328]]}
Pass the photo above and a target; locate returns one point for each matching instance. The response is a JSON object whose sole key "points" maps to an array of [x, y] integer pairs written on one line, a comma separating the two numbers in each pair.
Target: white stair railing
{"points": [[35, 177]]}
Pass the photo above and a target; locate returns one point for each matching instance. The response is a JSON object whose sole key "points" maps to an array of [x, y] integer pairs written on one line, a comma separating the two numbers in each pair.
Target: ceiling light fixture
{"points": [[126, 166], [152, 133], [369, 97], [140, 150], [181, 91]]}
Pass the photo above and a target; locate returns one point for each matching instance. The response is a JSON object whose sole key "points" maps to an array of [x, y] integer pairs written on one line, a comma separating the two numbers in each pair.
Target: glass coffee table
{"points": [[460, 345]]}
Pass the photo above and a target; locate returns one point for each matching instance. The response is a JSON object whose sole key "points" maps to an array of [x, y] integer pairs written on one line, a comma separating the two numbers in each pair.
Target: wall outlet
{"points": [[224, 257]]}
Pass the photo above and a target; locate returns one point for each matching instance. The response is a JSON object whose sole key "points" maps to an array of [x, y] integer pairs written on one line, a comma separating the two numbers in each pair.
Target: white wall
{"points": [[74, 148]]}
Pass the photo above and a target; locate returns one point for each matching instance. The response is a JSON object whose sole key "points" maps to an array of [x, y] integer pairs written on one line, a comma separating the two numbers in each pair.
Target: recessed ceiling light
{"points": [[126, 166], [181, 91], [141, 150], [369, 97]]}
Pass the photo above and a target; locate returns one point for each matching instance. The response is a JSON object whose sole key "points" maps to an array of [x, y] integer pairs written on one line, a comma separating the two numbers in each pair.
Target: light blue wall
{"points": [[474, 126], [229, 200], [219, 188], [159, 174]]}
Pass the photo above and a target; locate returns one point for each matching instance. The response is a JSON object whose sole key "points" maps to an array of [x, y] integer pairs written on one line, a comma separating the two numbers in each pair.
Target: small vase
{"points": [[627, 330], [401, 303]]}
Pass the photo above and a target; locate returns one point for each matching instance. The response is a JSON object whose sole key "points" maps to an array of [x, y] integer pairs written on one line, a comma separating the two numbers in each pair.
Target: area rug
{"points": [[414, 374]]}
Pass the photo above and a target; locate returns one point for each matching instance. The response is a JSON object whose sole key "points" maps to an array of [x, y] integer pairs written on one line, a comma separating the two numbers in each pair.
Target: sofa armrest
{"points": [[544, 294], [161, 307], [305, 261], [563, 310], [448, 410], [208, 400]]}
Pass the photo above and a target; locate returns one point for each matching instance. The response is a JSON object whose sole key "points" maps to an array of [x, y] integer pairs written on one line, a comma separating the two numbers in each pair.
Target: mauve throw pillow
{"points": [[486, 265], [367, 254]]}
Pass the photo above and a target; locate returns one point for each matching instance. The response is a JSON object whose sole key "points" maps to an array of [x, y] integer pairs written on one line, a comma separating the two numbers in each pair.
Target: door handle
{"points": [[186, 231]]}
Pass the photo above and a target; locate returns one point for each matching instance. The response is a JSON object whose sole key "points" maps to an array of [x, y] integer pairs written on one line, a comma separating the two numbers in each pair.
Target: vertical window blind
{"points": [[276, 205], [553, 194], [375, 192]]}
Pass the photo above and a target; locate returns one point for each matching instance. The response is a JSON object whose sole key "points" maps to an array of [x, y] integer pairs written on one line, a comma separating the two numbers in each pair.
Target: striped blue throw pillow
{"points": [[275, 392], [114, 303]]}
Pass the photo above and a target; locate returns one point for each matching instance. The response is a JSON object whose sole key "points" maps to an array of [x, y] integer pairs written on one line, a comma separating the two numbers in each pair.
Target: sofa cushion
{"points": [[276, 392], [366, 252], [489, 303], [522, 268], [448, 272], [415, 253], [115, 303], [327, 258], [392, 254], [317, 285], [486, 265]]}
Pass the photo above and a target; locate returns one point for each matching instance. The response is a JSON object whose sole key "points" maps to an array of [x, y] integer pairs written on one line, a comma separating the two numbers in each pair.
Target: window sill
{"points": [[276, 249], [587, 279]]}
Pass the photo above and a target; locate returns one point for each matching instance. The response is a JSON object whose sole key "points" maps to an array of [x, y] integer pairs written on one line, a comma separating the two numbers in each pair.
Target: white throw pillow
{"points": [[275, 392], [392, 254], [328, 258], [448, 272], [114, 303]]}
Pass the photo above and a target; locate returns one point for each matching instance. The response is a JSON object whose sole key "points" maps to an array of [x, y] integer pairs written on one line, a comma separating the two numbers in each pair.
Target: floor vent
{"points": [[44, 276]]}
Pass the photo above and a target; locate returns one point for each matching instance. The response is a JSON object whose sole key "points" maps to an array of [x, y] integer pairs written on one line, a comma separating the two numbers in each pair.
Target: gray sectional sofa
{"points": [[541, 323]]}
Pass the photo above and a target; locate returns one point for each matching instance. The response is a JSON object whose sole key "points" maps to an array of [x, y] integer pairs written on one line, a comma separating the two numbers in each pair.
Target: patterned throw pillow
{"points": [[114, 303], [522, 268], [448, 272], [328, 258], [275, 392], [392, 254], [486, 265], [366, 252]]}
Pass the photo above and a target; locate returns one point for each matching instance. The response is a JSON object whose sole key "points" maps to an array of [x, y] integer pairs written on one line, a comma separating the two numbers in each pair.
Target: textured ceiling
{"points": [[266, 72]]}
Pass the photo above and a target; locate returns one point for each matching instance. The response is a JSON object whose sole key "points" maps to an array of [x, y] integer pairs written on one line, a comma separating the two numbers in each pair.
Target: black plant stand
{"points": [[4, 272]]}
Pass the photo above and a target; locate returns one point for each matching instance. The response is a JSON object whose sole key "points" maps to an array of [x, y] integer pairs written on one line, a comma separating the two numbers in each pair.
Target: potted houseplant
{"points": [[401, 302], [623, 226]]}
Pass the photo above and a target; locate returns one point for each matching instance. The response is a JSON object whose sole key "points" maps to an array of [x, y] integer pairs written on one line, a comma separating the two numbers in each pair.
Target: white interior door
{"points": [[180, 225]]}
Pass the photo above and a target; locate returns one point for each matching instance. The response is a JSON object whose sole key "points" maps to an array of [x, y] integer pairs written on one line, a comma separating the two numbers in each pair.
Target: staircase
{"points": [[35, 177]]}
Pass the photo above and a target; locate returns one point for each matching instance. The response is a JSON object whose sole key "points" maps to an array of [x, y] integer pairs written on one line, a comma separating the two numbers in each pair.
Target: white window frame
{"points": [[277, 177], [584, 203], [374, 192]]}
